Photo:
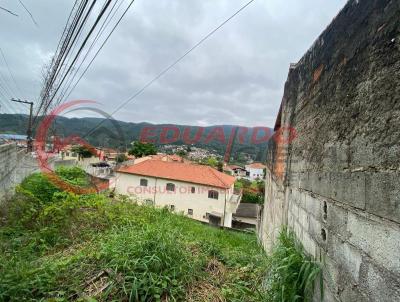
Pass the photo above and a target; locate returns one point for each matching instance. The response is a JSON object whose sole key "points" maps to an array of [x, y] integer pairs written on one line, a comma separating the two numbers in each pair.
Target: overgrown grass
{"points": [[77, 247], [58, 246], [292, 274]]}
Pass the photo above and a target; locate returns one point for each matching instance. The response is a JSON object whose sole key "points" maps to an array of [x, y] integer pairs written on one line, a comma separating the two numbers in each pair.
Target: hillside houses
{"points": [[198, 191], [255, 171]]}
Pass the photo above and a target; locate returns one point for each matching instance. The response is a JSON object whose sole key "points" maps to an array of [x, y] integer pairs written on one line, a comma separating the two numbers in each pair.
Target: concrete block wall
{"points": [[8, 162], [340, 187], [15, 165]]}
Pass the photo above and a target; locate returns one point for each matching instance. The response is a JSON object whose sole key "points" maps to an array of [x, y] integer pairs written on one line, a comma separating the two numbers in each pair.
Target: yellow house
{"points": [[198, 191]]}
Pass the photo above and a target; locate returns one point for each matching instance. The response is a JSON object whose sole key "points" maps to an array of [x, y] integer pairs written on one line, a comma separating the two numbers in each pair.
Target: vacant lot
{"points": [[59, 246]]}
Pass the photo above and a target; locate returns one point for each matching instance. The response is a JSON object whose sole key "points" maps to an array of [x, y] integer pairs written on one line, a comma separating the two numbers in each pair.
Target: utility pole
{"points": [[29, 131]]}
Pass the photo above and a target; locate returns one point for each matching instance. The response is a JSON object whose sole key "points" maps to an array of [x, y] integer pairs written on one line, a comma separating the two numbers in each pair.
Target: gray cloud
{"points": [[235, 77]]}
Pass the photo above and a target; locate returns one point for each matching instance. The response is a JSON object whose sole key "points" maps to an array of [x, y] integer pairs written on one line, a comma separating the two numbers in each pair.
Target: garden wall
{"points": [[337, 183]]}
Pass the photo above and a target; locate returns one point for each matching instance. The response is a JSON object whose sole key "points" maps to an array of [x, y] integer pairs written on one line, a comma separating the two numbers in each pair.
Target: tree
{"points": [[212, 161], [220, 166], [181, 153], [140, 149], [82, 151], [121, 158]]}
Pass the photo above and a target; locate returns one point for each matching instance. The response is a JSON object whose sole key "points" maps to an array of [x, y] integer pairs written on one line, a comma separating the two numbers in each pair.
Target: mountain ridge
{"points": [[119, 134]]}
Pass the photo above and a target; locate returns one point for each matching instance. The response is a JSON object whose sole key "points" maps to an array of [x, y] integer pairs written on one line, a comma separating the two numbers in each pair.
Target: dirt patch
{"points": [[204, 291]]}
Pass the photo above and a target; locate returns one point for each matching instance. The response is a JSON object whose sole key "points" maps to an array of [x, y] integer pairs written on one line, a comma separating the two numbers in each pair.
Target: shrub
{"points": [[39, 186], [292, 274], [73, 175], [250, 196]]}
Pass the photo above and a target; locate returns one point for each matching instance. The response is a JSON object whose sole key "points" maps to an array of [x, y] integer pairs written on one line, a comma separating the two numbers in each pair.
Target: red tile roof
{"points": [[199, 174], [256, 166]]}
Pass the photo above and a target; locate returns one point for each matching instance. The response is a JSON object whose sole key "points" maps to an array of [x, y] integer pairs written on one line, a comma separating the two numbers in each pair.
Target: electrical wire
{"points": [[99, 34], [30, 14], [10, 72], [165, 70], [8, 11], [80, 50], [63, 44]]}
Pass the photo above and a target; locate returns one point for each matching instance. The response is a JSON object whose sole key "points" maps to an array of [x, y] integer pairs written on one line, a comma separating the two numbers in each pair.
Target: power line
{"points": [[73, 44], [2, 97], [165, 70], [71, 77], [62, 47], [8, 11], [5, 87], [9, 71], [27, 10], [11, 109], [98, 51], [79, 51]]}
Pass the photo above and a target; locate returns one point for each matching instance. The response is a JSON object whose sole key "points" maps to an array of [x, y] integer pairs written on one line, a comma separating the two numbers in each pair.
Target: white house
{"points": [[255, 171], [198, 191]]}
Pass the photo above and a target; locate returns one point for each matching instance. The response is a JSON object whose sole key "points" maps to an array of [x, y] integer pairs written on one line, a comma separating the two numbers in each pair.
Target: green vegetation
{"points": [[181, 153], [58, 246], [121, 158], [212, 162], [123, 132], [82, 151], [140, 149], [253, 191], [291, 274], [73, 247]]}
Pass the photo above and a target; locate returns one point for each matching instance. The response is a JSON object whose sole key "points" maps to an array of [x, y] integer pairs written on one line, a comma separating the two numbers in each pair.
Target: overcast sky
{"points": [[236, 77]]}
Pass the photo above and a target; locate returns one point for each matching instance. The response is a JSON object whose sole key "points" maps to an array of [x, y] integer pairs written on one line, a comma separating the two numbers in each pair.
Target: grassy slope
{"points": [[115, 250]]}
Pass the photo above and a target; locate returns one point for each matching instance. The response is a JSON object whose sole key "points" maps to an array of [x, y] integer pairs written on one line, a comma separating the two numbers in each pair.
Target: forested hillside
{"points": [[119, 134]]}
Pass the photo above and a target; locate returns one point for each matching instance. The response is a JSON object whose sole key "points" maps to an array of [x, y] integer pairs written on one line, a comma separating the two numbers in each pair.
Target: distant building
{"points": [[162, 157], [68, 157], [198, 191], [255, 171], [234, 170], [20, 140]]}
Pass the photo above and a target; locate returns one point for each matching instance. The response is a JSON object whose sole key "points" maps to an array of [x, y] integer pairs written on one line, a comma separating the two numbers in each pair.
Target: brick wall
{"points": [[337, 184]]}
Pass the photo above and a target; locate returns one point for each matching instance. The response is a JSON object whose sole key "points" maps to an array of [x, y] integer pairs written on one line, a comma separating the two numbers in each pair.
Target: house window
{"points": [[193, 189], [170, 187], [149, 202], [190, 211], [143, 182], [213, 194], [172, 207]]}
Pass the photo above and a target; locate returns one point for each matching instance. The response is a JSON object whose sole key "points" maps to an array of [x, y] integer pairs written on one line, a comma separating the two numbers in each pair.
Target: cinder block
{"points": [[315, 230], [335, 157], [380, 285], [313, 205], [331, 273], [380, 240], [309, 245], [319, 183], [329, 296], [353, 293], [303, 218], [336, 220], [348, 258], [348, 188], [383, 194], [362, 153]]}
